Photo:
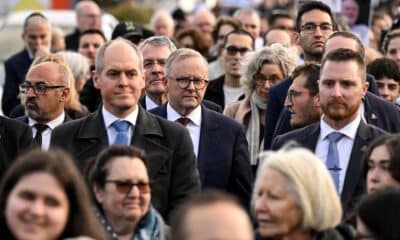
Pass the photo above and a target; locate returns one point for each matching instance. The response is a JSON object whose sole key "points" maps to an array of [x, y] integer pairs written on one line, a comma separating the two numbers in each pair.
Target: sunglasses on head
{"points": [[125, 187], [233, 50]]}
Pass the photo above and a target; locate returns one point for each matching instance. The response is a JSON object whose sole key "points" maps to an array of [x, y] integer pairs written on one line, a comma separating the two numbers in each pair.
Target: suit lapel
{"points": [[309, 140], [370, 116], [209, 140]]}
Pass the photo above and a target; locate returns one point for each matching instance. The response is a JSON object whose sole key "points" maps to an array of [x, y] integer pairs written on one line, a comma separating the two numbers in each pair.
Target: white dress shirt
{"points": [[344, 145], [193, 126], [150, 104], [109, 118], [46, 134]]}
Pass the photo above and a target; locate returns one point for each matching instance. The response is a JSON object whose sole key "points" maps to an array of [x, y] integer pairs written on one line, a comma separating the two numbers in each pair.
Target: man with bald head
{"points": [[162, 24], [204, 20], [121, 120], [88, 16], [37, 39]]}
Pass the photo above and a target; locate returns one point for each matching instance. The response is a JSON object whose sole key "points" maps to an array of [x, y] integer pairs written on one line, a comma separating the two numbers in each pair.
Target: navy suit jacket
{"points": [[15, 68], [223, 158], [354, 183], [276, 100]]}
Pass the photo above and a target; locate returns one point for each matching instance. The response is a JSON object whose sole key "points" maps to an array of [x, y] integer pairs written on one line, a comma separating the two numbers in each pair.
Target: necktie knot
{"points": [[40, 127], [335, 137], [184, 120], [121, 126]]}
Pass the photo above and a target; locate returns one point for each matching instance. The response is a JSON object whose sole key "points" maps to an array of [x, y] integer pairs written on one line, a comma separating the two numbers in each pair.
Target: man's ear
{"points": [[296, 38], [66, 94], [96, 80], [316, 100]]}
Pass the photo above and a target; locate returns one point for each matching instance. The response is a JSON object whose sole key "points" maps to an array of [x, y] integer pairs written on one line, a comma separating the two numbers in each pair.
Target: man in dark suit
{"points": [[15, 137], [219, 142], [88, 16], [46, 93], [37, 38], [342, 86], [121, 120]]}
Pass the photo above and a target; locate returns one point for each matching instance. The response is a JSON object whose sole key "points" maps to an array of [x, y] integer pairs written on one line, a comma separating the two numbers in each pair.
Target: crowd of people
{"points": [[261, 122]]}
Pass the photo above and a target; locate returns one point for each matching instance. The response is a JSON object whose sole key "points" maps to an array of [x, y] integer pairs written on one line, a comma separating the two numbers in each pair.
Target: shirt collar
{"points": [[52, 124], [194, 116], [109, 118], [349, 130]]}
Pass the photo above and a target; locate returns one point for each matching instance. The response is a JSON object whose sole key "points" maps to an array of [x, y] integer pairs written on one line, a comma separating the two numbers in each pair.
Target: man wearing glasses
{"points": [[227, 88], [219, 142], [46, 92]]}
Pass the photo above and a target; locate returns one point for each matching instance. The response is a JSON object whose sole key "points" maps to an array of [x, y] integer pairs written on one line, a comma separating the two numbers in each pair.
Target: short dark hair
{"points": [[240, 32], [392, 144], [389, 37], [311, 72], [379, 211], [384, 68], [98, 171], [30, 16], [314, 5], [276, 14], [93, 31], [204, 198], [60, 165], [225, 20], [344, 55], [349, 35]]}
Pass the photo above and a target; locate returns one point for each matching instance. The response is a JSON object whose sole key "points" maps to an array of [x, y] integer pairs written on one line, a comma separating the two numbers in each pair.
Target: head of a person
{"points": [[43, 196], [121, 186], [57, 40], [47, 88], [302, 98], [266, 67], [276, 35], [194, 39], [119, 76], [377, 214], [237, 43], [204, 20], [155, 51], [314, 23], [344, 39], [79, 66], [162, 24], [187, 79], [36, 33], [211, 214], [382, 163], [350, 11], [129, 30], [294, 194], [89, 42], [88, 15], [250, 20], [387, 76], [281, 19], [391, 45], [380, 22], [342, 85], [224, 26]]}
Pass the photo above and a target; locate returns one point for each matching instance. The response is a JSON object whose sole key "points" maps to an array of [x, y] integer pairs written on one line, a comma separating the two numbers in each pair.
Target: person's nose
{"points": [[336, 90], [134, 192], [37, 208]]}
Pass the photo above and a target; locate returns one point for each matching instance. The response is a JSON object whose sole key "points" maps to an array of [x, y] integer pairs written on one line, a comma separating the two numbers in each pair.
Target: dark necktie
{"points": [[40, 128], [332, 161], [122, 137], [184, 121]]}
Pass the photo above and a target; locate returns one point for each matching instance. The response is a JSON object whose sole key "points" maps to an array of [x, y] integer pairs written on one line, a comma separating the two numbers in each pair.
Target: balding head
{"points": [[37, 33], [88, 15]]}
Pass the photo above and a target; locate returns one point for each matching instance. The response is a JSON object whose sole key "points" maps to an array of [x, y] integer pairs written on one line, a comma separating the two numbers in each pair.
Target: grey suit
{"points": [[172, 165]]}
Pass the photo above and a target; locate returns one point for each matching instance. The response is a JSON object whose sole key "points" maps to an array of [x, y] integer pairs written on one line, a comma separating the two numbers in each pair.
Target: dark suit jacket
{"points": [[276, 100], [72, 40], [15, 68], [377, 112], [215, 91], [172, 164], [14, 138], [223, 158], [354, 184]]}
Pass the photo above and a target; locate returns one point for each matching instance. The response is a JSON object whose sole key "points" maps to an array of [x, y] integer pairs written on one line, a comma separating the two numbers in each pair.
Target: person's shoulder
{"points": [[12, 124], [15, 57]]}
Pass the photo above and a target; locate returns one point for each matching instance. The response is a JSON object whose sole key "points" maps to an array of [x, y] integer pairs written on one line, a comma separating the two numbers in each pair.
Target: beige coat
{"points": [[240, 111]]}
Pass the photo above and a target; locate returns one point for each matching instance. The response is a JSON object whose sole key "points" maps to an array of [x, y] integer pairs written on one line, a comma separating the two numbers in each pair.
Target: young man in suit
{"points": [[219, 142], [121, 120], [342, 86]]}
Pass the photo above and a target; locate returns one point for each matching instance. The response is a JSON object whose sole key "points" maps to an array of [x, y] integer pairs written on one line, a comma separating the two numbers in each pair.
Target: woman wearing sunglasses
{"points": [[121, 189]]}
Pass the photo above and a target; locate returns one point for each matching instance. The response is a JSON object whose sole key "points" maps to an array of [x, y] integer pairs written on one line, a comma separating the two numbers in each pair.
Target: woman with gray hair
{"points": [[294, 197], [260, 71], [79, 66]]}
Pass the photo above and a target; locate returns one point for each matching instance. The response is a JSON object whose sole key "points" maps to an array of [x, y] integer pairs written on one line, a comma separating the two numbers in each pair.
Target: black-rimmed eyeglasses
{"points": [[312, 27], [292, 94], [184, 82], [38, 89]]}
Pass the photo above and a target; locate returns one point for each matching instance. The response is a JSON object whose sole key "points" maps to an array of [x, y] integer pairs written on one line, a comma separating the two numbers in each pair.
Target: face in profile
{"points": [[126, 193], [277, 212], [378, 174], [37, 208]]}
